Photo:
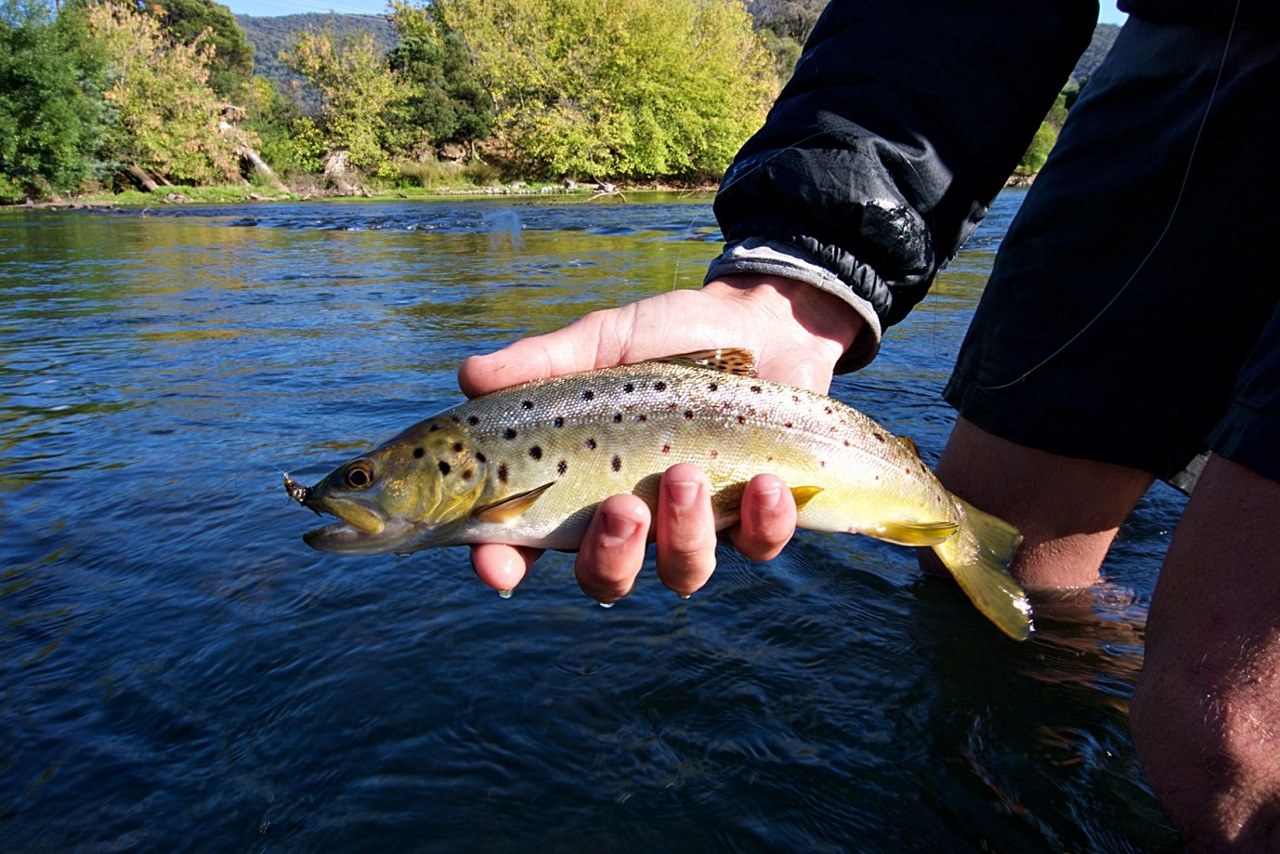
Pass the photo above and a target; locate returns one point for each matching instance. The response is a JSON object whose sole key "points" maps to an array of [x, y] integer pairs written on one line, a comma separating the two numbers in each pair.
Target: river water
{"points": [[179, 672]]}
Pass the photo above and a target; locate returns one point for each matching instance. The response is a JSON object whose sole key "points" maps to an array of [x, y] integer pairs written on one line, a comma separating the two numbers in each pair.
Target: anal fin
{"points": [[913, 533]]}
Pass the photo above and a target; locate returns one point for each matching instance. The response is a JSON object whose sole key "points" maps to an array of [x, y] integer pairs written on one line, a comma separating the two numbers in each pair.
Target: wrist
{"points": [[808, 313]]}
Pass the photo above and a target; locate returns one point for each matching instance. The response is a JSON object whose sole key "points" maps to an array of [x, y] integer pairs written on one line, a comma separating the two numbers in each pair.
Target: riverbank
{"points": [[246, 194]]}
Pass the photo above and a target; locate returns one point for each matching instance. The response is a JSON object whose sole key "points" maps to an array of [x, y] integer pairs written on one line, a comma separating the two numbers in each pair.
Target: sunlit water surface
{"points": [[180, 672]]}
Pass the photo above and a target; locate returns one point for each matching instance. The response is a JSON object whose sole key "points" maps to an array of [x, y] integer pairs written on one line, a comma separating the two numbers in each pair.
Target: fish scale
{"points": [[529, 464], [615, 434]]}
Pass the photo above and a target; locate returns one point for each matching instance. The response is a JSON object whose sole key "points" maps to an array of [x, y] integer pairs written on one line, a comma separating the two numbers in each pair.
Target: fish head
{"points": [[408, 493]]}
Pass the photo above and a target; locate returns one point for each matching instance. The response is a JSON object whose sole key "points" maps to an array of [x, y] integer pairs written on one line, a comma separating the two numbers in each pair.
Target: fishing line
{"points": [[1177, 203]]}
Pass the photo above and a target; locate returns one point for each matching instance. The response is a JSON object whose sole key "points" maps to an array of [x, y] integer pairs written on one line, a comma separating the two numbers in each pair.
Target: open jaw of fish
{"points": [[528, 466]]}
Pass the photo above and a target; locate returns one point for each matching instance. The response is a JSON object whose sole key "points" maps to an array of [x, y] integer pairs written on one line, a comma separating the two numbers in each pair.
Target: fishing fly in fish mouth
{"points": [[528, 465]]}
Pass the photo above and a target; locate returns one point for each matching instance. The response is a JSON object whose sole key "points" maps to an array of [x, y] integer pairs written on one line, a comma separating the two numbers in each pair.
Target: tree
{"points": [[784, 26], [618, 88], [166, 119], [50, 110], [363, 98], [446, 99], [189, 21], [1047, 134]]}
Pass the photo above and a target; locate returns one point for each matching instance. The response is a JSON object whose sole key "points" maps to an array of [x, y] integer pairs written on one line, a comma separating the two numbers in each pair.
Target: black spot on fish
{"points": [[588, 395], [629, 387], [433, 428], [481, 458], [756, 389], [418, 453], [666, 449], [458, 447], [526, 404], [642, 418], [879, 436], [559, 422], [688, 413], [503, 474], [591, 444], [616, 463], [509, 433], [713, 386], [473, 420], [742, 419], [788, 425], [659, 386], [617, 418], [445, 468], [713, 453], [467, 474], [562, 466], [828, 410], [536, 452]]}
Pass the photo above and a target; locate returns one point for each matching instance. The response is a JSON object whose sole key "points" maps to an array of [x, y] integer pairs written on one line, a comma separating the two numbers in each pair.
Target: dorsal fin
{"points": [[730, 360]]}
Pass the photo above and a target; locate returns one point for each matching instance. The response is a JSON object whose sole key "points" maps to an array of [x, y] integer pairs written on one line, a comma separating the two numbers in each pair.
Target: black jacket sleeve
{"points": [[903, 120]]}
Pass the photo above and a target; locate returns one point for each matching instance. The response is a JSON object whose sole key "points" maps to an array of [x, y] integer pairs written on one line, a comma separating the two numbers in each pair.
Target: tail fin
{"points": [[978, 556]]}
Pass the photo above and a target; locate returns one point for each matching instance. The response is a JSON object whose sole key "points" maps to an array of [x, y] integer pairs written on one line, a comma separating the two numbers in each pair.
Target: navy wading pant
{"points": [[1132, 315]]}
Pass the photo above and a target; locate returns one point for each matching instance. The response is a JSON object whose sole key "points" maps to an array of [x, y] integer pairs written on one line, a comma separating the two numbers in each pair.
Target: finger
{"points": [[768, 518], [502, 567], [612, 550], [576, 347], [686, 529]]}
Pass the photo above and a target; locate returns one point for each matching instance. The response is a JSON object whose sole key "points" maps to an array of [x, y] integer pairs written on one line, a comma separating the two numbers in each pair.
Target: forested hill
{"points": [[270, 35], [1103, 37]]}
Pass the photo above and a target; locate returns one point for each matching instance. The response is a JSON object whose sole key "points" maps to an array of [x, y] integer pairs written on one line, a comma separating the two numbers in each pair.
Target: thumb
{"points": [[570, 350]]}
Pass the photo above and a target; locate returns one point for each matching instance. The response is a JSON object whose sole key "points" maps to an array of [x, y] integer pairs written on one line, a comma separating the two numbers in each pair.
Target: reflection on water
{"points": [[175, 658]]}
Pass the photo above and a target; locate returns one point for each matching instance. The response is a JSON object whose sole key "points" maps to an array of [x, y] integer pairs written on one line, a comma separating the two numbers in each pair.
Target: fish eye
{"points": [[359, 475]]}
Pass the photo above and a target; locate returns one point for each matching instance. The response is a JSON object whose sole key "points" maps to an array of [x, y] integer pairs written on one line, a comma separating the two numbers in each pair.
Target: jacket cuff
{"points": [[772, 258]]}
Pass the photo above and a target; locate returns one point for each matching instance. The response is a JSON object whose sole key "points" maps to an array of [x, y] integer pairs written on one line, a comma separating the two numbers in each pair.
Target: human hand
{"points": [[797, 333]]}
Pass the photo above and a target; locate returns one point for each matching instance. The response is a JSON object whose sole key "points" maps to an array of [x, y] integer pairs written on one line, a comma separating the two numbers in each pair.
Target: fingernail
{"points": [[618, 529], [769, 498], [606, 604], [506, 594], [683, 494]]}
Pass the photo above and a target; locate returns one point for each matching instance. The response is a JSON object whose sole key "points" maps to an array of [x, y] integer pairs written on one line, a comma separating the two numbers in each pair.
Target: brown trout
{"points": [[528, 466]]}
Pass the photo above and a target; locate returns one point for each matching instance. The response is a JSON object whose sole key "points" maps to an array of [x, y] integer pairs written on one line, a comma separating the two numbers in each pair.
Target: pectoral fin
{"points": [[509, 508], [913, 533]]}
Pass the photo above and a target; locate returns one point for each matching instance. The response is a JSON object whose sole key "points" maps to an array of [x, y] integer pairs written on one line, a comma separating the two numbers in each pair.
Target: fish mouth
{"points": [[359, 524]]}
